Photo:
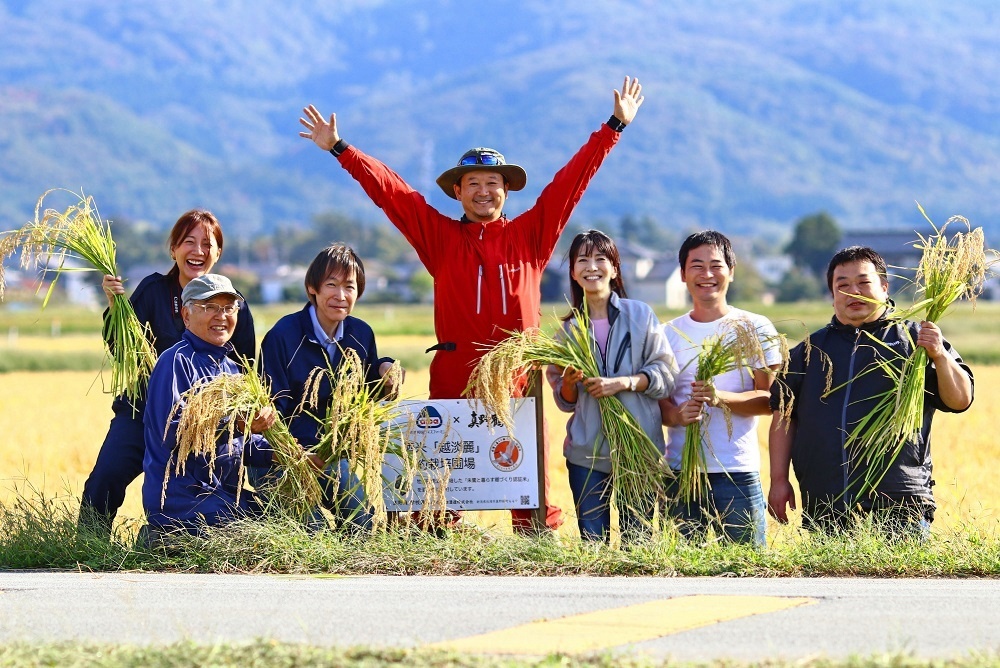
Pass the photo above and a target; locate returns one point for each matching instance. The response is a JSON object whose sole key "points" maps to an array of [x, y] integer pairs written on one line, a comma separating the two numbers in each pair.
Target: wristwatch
{"points": [[632, 383]]}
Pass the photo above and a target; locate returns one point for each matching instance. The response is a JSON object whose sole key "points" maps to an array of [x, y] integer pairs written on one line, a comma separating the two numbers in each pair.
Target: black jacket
{"points": [[824, 468], [157, 303], [290, 353]]}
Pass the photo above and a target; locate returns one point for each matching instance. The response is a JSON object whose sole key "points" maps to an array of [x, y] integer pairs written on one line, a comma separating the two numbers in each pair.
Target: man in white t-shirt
{"points": [[734, 503]]}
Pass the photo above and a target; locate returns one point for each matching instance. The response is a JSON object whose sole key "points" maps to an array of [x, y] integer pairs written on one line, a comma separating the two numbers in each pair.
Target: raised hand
{"points": [[322, 132], [628, 101]]}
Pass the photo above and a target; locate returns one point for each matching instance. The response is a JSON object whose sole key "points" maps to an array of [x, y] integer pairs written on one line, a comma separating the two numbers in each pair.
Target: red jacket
{"points": [[487, 276]]}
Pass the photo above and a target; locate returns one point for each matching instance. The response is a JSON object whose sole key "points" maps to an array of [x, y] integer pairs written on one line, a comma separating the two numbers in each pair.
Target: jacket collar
{"points": [[877, 324], [203, 347], [306, 329], [614, 308], [465, 220]]}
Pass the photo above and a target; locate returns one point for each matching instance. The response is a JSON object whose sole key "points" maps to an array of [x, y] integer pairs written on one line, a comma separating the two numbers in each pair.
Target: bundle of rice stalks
{"points": [[950, 269], [354, 425], [226, 406], [738, 346], [637, 466], [79, 233]]}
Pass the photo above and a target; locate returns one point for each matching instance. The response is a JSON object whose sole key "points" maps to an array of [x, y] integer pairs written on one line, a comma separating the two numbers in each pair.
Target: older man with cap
{"points": [[487, 268], [204, 494]]}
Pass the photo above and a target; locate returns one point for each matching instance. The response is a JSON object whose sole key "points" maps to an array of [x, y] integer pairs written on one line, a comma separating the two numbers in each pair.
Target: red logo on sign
{"points": [[506, 454]]}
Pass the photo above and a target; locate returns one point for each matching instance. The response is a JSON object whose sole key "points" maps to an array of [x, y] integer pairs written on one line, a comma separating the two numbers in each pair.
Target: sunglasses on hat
{"points": [[486, 159]]}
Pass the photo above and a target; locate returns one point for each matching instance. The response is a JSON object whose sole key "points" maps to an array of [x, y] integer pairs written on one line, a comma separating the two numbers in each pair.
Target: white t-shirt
{"points": [[739, 453]]}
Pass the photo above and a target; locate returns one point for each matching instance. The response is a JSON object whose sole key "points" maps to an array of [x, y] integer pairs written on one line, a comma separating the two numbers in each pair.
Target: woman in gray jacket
{"points": [[635, 363]]}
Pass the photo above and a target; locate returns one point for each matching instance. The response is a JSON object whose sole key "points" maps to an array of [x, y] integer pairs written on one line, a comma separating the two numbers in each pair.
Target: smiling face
{"points": [[195, 254], [212, 327], [707, 276], [482, 194], [334, 299], [854, 279], [593, 271]]}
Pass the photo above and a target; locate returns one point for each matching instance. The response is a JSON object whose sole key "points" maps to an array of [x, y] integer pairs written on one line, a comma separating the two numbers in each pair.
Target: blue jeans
{"points": [[592, 495], [734, 506], [343, 496]]}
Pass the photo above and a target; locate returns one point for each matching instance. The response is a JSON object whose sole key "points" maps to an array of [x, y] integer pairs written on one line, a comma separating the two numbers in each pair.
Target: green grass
{"points": [[282, 655], [35, 360], [972, 333], [38, 532]]}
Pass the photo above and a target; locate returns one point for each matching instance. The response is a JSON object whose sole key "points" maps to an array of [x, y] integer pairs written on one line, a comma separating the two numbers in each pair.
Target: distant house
{"points": [[281, 282], [649, 276], [991, 289], [898, 248]]}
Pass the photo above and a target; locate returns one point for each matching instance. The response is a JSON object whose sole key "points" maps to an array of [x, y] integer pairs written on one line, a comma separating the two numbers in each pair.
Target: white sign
{"points": [[460, 455]]}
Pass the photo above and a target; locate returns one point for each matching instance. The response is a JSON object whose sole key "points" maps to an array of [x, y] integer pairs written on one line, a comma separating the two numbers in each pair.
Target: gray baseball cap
{"points": [[206, 287]]}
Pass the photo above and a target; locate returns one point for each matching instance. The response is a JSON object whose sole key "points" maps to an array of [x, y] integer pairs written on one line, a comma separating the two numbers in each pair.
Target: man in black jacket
{"points": [[813, 434]]}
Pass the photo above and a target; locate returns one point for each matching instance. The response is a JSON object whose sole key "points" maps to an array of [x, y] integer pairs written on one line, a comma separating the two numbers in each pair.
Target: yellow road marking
{"points": [[599, 630]]}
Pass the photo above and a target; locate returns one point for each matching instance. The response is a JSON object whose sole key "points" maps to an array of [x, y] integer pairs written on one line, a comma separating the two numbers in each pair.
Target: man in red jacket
{"points": [[487, 268]]}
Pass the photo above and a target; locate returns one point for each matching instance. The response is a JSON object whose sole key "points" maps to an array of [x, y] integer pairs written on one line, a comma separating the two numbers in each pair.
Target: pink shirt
{"points": [[602, 329]]}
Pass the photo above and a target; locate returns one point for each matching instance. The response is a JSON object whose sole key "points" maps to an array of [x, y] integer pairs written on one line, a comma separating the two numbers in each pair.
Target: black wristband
{"points": [[616, 124], [339, 148]]}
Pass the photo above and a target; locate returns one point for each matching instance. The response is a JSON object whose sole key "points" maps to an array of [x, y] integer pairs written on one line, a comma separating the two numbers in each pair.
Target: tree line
{"points": [[815, 238]]}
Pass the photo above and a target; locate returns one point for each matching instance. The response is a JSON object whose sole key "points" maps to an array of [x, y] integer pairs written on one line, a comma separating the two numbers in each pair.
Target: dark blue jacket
{"points": [[157, 301], [201, 493], [290, 352], [823, 467]]}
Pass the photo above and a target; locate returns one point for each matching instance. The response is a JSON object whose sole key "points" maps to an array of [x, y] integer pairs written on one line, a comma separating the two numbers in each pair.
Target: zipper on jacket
{"points": [[503, 290], [845, 459], [479, 290], [625, 346]]}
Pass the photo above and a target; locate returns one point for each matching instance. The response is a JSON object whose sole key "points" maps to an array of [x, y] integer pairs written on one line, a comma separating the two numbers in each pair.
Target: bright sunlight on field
{"points": [[53, 425]]}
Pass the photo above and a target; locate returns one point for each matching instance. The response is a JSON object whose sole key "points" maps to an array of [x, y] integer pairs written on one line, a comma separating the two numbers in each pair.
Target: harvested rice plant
{"points": [[54, 423]]}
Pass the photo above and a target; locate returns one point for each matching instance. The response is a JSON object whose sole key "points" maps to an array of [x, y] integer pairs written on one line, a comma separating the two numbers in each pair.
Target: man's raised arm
{"points": [[321, 131]]}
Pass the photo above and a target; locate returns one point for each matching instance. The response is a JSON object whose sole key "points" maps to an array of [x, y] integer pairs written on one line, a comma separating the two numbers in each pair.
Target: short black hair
{"points": [[855, 254], [708, 238], [335, 259]]}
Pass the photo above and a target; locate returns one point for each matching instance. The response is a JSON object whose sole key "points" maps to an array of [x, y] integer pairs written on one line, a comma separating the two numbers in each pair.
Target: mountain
{"points": [[756, 113]]}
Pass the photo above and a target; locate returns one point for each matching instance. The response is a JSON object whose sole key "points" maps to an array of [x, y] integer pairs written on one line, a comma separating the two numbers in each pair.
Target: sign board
{"points": [[459, 453]]}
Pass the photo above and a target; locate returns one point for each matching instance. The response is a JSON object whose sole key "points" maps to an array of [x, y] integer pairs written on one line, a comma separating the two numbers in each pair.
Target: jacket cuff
{"points": [[339, 148]]}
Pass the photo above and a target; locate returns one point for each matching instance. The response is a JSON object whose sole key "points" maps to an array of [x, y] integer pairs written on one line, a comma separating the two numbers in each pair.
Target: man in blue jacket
{"points": [[812, 436], [204, 494], [314, 339]]}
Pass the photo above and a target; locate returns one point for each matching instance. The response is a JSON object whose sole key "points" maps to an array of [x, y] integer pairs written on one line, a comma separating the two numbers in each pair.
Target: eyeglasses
{"points": [[487, 159], [216, 309]]}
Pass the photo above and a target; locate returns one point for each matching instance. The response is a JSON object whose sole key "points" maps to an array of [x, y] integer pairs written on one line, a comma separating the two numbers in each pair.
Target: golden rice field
{"points": [[53, 424]]}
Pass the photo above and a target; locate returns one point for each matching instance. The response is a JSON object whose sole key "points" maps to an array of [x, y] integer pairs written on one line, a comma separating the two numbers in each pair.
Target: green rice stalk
{"points": [[637, 466], [355, 426], [738, 346], [949, 270], [79, 233]]}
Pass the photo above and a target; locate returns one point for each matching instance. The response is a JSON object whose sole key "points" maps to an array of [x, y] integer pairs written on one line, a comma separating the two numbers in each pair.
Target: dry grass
{"points": [[54, 443]]}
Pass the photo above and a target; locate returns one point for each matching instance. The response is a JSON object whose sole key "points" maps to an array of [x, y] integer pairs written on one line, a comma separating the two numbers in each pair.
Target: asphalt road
{"points": [[687, 618]]}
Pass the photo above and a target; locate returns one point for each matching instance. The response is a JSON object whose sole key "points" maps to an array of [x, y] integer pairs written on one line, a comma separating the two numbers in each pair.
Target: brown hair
{"points": [[338, 259], [187, 222]]}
